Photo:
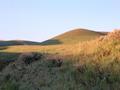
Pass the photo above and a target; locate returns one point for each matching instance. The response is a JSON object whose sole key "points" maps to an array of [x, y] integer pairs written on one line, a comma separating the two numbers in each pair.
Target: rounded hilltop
{"points": [[74, 36]]}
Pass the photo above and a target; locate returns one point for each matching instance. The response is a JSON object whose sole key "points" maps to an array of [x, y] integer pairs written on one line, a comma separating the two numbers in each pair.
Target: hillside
{"points": [[17, 42], [91, 65], [74, 36]]}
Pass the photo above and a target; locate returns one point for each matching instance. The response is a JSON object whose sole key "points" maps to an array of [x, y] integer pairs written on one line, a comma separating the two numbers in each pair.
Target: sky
{"points": [[39, 20]]}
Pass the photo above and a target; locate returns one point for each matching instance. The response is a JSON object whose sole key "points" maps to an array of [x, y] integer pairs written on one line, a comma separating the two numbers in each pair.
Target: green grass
{"points": [[9, 85]]}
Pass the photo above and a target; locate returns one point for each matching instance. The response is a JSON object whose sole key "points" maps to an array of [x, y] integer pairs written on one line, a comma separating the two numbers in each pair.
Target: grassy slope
{"points": [[74, 36], [93, 65]]}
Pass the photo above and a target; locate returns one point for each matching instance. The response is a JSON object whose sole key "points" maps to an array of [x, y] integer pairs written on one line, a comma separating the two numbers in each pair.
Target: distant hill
{"points": [[74, 36], [17, 42]]}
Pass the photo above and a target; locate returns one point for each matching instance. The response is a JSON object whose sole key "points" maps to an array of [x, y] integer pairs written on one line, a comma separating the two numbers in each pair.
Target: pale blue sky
{"points": [[39, 20]]}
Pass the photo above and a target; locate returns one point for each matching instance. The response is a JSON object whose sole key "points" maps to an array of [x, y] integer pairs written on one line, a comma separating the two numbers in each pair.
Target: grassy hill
{"points": [[91, 65], [71, 37], [74, 36], [17, 42]]}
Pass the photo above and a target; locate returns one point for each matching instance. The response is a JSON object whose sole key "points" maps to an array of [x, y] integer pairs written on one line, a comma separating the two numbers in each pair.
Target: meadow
{"points": [[89, 65]]}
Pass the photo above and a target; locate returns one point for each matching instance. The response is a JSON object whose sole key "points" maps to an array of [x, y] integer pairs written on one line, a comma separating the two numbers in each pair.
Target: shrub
{"points": [[28, 58], [54, 62], [3, 65]]}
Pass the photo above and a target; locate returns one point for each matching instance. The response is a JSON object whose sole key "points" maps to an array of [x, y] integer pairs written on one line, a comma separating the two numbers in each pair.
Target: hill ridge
{"points": [[17, 42]]}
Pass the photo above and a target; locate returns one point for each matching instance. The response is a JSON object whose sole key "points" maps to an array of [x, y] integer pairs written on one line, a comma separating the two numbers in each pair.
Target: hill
{"points": [[17, 42], [74, 36]]}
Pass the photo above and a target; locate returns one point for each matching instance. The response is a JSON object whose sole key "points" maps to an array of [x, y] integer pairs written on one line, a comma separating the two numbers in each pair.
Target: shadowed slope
{"points": [[17, 42]]}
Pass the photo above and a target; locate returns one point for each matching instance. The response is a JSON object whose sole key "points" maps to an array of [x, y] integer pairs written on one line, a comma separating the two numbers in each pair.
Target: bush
{"points": [[54, 62], [3, 65], [28, 58]]}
